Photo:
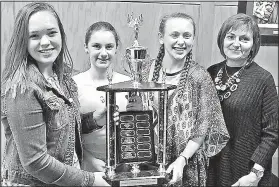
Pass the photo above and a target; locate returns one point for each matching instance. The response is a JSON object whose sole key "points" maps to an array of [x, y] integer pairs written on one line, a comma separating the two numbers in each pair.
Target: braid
{"points": [[184, 74], [158, 63]]}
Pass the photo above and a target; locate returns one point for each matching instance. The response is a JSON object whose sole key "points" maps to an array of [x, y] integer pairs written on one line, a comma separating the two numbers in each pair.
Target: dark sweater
{"points": [[251, 116]]}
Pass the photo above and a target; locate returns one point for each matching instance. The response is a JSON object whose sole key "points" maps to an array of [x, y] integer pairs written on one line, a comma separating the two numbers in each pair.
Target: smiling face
{"points": [[178, 38], [101, 48], [238, 44], [45, 42]]}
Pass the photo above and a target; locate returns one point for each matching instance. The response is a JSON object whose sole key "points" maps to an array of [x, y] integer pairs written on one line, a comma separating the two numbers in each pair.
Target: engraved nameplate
{"points": [[129, 147], [135, 137], [138, 182]]}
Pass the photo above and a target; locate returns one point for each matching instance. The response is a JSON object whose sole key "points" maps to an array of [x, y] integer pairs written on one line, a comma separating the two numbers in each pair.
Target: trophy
{"points": [[136, 55], [135, 154]]}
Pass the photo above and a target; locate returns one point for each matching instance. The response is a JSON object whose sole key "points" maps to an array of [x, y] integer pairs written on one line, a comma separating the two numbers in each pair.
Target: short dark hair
{"points": [[235, 22]]}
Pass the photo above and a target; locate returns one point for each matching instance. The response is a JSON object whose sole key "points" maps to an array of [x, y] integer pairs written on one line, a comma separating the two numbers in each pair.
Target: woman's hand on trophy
{"points": [[134, 103], [177, 169], [99, 179]]}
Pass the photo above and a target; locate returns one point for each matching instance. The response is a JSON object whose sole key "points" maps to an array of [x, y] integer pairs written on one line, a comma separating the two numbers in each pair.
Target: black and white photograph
{"points": [[139, 93]]}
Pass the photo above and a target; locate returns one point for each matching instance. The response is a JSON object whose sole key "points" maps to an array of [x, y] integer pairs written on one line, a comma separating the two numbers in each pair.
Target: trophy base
{"points": [[143, 178], [147, 175]]}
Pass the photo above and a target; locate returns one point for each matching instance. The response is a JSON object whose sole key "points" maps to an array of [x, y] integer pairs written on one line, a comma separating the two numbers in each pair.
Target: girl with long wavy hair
{"points": [[39, 105]]}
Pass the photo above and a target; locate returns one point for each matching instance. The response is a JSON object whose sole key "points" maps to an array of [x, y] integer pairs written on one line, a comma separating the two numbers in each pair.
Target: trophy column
{"points": [[163, 120], [110, 134]]}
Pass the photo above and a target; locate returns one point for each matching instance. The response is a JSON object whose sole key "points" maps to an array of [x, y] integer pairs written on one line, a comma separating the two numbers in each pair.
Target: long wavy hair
{"points": [[21, 70]]}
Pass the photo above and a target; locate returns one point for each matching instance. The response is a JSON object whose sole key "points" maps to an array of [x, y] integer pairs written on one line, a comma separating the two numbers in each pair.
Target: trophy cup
{"points": [[132, 156], [136, 55]]}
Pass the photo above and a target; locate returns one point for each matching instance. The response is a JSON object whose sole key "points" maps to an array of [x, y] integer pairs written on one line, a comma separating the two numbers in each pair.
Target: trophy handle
{"points": [[124, 63], [146, 68]]}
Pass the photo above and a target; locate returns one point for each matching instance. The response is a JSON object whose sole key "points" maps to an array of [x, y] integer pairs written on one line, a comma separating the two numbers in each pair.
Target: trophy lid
{"points": [[136, 48]]}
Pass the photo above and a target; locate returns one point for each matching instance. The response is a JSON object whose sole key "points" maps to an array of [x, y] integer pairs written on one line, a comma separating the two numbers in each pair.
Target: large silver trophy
{"points": [[135, 154]]}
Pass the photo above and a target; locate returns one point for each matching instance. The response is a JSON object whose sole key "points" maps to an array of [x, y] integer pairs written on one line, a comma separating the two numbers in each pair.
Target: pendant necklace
{"points": [[225, 90]]}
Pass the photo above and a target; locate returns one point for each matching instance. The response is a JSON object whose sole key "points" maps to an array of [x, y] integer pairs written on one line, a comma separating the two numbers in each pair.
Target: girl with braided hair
{"points": [[196, 128]]}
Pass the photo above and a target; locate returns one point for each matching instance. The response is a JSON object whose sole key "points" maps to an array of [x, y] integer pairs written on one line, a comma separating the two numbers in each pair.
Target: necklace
{"points": [[226, 70], [175, 73], [225, 90], [182, 77]]}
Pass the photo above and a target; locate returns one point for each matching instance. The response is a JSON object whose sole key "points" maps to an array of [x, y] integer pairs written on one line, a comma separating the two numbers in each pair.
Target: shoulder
{"points": [[260, 74], [26, 89], [259, 69], [198, 72], [81, 77], [16, 98], [200, 77], [119, 77], [215, 67]]}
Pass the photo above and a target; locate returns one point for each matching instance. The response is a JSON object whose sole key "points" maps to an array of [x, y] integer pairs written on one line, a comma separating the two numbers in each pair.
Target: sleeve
{"points": [[269, 135], [209, 120], [88, 123], [26, 119]]}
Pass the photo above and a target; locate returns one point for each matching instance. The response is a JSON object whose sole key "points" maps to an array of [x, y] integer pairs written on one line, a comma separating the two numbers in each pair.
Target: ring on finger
{"points": [[132, 100]]}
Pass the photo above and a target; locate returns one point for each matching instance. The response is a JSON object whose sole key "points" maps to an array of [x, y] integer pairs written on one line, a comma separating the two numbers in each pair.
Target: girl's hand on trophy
{"points": [[99, 179], [134, 103], [177, 169], [116, 115]]}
